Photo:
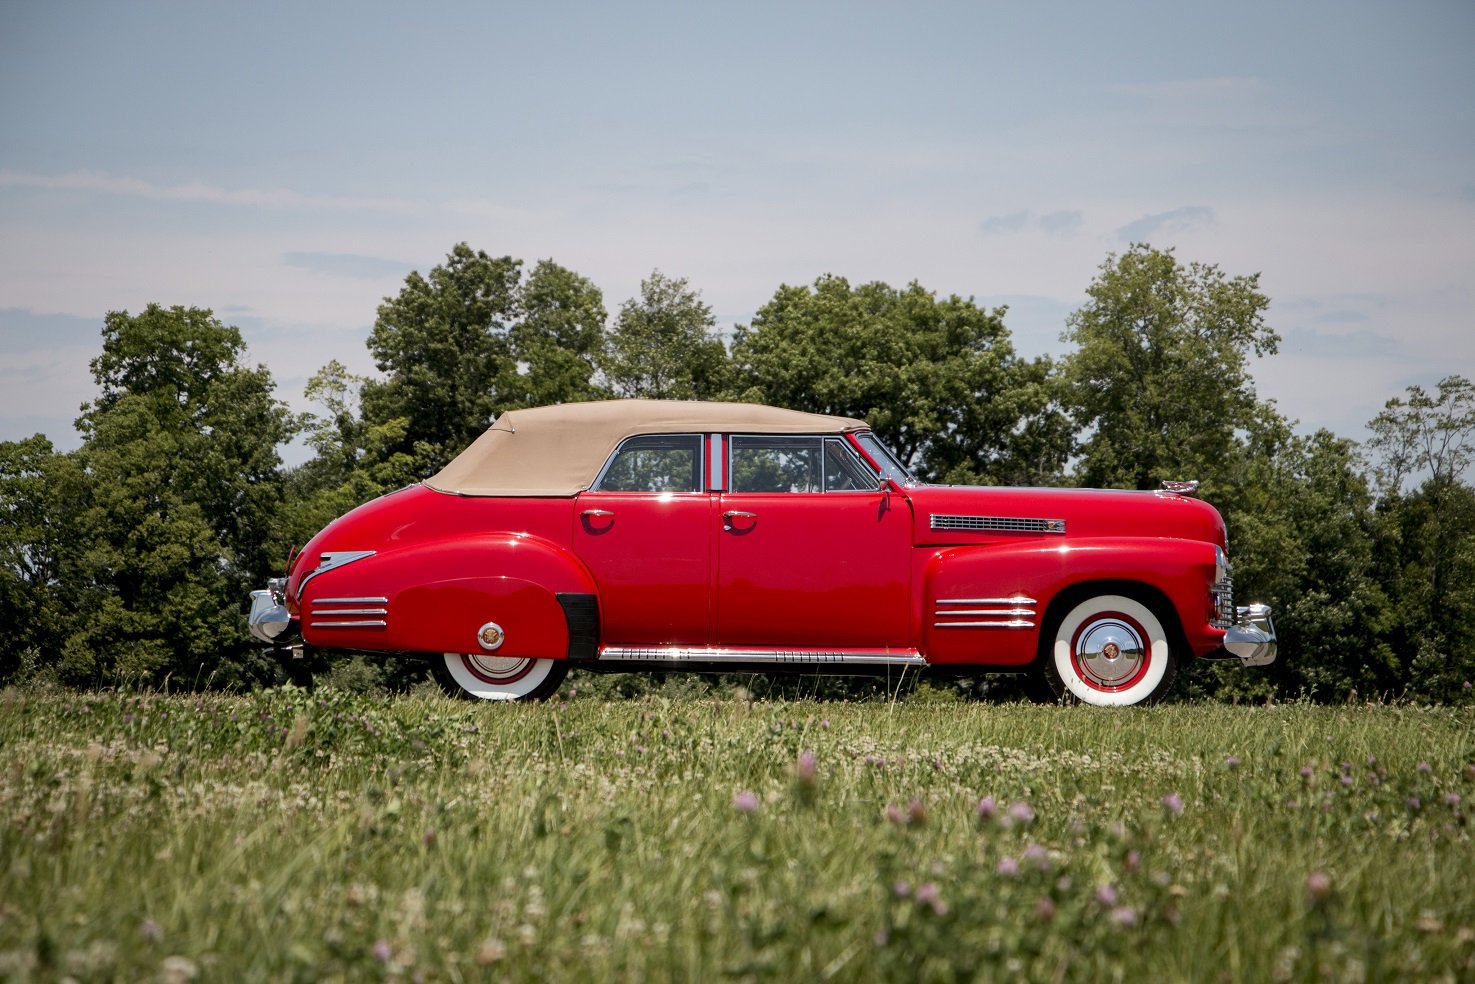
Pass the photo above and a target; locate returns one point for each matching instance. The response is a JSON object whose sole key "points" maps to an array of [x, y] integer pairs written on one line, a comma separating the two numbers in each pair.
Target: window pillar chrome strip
{"points": [[714, 455]]}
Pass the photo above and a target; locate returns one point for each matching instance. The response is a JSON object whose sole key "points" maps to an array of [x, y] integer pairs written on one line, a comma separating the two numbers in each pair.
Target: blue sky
{"points": [[288, 164]]}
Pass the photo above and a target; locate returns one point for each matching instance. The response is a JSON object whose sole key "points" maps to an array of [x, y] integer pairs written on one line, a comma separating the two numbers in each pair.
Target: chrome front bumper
{"points": [[1251, 639], [269, 617]]}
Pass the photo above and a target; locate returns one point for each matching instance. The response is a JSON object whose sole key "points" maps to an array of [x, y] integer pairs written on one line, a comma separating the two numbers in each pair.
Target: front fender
{"points": [[987, 604], [438, 596]]}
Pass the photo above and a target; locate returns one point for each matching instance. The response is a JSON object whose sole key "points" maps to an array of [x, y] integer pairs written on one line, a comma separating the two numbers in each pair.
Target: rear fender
{"points": [[439, 596]]}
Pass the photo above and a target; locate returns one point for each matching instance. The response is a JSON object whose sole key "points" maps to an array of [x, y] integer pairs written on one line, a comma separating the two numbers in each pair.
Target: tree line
{"points": [[129, 559]]}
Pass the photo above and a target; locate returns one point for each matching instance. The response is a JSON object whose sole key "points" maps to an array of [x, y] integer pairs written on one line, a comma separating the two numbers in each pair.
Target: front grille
{"points": [[1223, 595]]}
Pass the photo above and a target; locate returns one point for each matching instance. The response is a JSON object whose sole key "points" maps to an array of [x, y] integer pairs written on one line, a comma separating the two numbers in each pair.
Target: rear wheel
{"points": [[480, 676], [1110, 651]]}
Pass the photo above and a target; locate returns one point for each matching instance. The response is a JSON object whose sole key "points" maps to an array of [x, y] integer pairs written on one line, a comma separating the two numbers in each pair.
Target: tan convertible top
{"points": [[559, 450]]}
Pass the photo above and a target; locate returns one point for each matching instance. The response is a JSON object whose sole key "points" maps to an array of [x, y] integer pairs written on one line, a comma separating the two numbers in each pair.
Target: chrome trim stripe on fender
{"points": [[1016, 600], [686, 654], [1017, 613], [329, 613], [1013, 623]]}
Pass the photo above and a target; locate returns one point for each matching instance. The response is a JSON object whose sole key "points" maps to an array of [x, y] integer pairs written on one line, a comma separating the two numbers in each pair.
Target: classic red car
{"points": [[716, 536]]}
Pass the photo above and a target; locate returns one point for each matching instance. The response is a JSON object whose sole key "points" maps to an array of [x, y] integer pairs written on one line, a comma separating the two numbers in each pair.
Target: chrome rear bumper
{"points": [[269, 617]]}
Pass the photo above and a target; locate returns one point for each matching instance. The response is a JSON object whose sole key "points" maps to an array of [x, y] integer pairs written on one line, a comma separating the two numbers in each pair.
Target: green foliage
{"points": [[136, 551], [40, 541], [558, 340], [1160, 378], [1426, 538], [938, 380], [663, 347], [151, 836]]}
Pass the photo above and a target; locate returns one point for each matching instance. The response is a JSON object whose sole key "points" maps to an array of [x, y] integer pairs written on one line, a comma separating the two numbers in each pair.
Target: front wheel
{"points": [[483, 677], [1110, 651]]}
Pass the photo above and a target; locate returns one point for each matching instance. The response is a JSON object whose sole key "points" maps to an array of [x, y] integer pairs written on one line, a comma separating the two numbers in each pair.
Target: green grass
{"points": [[307, 836]]}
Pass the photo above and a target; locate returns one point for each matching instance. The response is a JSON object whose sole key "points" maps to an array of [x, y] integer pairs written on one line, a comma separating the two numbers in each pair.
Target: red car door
{"points": [[811, 553], [645, 532]]}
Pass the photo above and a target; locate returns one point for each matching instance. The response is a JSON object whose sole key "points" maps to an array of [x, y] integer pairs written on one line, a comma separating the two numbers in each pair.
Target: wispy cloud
{"points": [[348, 265], [1185, 219], [1052, 223], [101, 182], [1351, 345]]}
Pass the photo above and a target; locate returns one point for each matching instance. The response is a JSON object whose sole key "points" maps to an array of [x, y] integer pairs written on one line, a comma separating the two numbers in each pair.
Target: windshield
{"points": [[890, 467]]}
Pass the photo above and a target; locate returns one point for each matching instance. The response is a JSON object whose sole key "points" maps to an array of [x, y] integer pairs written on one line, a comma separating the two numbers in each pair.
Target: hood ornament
{"points": [[1182, 488]]}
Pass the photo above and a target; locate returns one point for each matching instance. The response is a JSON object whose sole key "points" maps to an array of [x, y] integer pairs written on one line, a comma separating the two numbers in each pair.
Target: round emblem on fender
{"points": [[490, 636], [1111, 650]]}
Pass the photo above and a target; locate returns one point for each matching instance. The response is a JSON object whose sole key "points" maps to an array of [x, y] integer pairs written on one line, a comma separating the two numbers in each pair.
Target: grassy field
{"points": [[290, 835]]}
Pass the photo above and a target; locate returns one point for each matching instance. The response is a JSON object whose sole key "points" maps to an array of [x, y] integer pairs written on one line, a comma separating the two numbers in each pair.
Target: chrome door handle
{"points": [[736, 514], [596, 513]]}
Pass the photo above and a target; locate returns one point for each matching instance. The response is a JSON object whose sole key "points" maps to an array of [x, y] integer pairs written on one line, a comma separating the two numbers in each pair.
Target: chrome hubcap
{"points": [[497, 667], [1109, 651]]}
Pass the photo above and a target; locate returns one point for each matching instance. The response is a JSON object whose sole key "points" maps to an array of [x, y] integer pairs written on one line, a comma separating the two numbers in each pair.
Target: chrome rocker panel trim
{"points": [[825, 657]]}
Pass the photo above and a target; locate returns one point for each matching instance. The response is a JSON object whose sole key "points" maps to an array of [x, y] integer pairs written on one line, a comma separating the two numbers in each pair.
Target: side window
{"points": [[844, 470], [798, 464], [776, 464], [660, 463]]}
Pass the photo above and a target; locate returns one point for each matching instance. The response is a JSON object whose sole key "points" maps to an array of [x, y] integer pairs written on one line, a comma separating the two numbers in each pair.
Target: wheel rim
{"points": [[1110, 652]]}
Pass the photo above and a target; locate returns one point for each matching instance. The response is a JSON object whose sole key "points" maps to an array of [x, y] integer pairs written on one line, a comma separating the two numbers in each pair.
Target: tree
{"points": [[39, 542], [938, 380], [1427, 537], [558, 341], [662, 345], [471, 340], [1301, 539], [443, 344], [176, 508], [1159, 380]]}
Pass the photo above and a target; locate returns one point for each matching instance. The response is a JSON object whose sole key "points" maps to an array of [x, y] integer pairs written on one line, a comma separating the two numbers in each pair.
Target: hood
{"points": [[949, 515]]}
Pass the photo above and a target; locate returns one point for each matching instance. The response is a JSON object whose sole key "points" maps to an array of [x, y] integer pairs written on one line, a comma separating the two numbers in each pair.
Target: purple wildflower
{"points": [[1007, 866], [1021, 812], [930, 895], [1106, 895], [1173, 803], [382, 951], [745, 802], [987, 808]]}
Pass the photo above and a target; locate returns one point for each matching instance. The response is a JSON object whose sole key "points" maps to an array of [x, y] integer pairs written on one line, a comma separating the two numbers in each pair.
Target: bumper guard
{"points": [[1251, 639]]}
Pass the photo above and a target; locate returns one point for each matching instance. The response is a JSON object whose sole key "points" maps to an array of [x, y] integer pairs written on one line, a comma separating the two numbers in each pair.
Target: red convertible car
{"points": [[717, 536]]}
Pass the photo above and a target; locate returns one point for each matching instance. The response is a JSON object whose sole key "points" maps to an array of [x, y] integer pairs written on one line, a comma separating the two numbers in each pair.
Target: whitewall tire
{"points": [[483, 676], [1110, 651]]}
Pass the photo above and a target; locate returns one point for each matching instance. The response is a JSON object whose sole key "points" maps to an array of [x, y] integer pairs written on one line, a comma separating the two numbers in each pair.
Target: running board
{"points": [[822, 657]]}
